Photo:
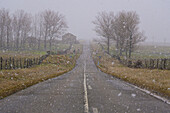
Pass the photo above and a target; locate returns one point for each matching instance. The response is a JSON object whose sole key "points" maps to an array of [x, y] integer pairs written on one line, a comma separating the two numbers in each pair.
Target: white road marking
{"points": [[148, 92], [152, 94], [86, 106], [89, 87], [95, 110]]}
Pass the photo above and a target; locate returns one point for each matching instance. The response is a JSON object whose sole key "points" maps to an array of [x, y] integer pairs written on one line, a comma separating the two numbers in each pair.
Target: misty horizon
{"points": [[154, 18]]}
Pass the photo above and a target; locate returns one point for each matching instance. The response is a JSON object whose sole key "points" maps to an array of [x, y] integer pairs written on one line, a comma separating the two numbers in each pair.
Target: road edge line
{"points": [[151, 94]]}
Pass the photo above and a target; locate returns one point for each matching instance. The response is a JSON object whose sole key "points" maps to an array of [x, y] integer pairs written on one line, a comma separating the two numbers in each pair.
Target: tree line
{"points": [[21, 30], [122, 28]]}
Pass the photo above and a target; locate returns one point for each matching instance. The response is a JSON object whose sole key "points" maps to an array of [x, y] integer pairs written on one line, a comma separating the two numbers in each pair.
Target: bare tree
{"points": [[104, 27], [127, 32], [5, 29], [122, 28], [8, 29], [2, 27], [54, 24], [120, 32], [134, 35], [21, 27]]}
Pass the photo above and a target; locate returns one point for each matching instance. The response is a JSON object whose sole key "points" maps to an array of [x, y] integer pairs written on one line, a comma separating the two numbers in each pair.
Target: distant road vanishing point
{"points": [[85, 89]]}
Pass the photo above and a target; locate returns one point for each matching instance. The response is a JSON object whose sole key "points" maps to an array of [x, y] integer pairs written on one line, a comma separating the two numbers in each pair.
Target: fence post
{"points": [[161, 64], [164, 66], [146, 64], [150, 63], [17, 66], [20, 63], [34, 61], [31, 62], [1, 63], [13, 63], [6, 64], [39, 61], [157, 64], [27, 60], [10, 63]]}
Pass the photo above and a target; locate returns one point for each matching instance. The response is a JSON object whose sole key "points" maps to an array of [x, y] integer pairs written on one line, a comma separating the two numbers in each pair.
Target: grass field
{"points": [[12, 81], [157, 81], [146, 51], [21, 54]]}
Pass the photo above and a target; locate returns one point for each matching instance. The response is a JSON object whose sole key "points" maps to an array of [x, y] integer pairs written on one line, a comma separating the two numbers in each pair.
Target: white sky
{"points": [[154, 14]]}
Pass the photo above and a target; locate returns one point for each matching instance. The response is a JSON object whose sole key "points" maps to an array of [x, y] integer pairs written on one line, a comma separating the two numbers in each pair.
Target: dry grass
{"points": [[157, 81], [12, 81], [21, 54]]}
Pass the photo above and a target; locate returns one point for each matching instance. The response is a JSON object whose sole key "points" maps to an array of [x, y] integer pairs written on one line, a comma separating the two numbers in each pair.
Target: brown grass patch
{"points": [[157, 81], [12, 81]]}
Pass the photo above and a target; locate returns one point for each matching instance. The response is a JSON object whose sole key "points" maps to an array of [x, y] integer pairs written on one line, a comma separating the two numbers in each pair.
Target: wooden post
{"points": [[6, 64], [164, 66], [17, 66], [20, 63], [13, 63], [157, 64], [34, 61], [1, 63], [161, 64], [145, 63], [39, 61], [151, 63], [30, 62], [25, 63], [10, 63], [154, 63]]}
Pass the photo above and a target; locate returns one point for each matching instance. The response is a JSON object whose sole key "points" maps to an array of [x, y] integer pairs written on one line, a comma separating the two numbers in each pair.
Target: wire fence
{"points": [[19, 63], [147, 63]]}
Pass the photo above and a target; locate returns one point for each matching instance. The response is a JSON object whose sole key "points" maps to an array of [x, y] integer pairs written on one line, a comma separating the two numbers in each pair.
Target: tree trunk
{"points": [[7, 38], [108, 45], [120, 52], [130, 46], [50, 43], [117, 47], [1, 41], [39, 43], [45, 40]]}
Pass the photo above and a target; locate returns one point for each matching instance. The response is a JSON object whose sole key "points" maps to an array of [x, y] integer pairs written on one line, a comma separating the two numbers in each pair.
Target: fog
{"points": [[154, 14]]}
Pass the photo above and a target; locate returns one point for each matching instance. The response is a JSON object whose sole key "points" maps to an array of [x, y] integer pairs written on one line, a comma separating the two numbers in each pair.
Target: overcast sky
{"points": [[154, 14]]}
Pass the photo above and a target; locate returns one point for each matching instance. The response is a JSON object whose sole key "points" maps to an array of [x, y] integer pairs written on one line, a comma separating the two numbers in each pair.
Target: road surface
{"points": [[83, 90]]}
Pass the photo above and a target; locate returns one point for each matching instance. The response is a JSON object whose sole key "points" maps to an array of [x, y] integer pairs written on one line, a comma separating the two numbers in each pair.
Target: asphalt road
{"points": [[84, 89]]}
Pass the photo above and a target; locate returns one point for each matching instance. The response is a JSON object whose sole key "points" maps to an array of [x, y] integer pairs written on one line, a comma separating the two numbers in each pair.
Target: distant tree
{"points": [[21, 27], [5, 29], [104, 27], [2, 26], [8, 25], [123, 28], [127, 31], [54, 24]]}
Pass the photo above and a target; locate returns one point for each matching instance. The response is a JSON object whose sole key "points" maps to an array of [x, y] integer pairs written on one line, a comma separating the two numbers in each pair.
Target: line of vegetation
{"points": [[23, 31], [15, 63], [122, 29]]}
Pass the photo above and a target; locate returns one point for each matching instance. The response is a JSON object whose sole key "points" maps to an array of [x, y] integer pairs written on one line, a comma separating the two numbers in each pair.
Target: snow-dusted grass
{"points": [[12, 81], [157, 81], [21, 54]]}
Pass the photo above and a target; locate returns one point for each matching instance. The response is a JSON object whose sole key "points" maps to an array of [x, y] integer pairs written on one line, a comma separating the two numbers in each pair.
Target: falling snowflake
{"points": [[119, 94]]}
